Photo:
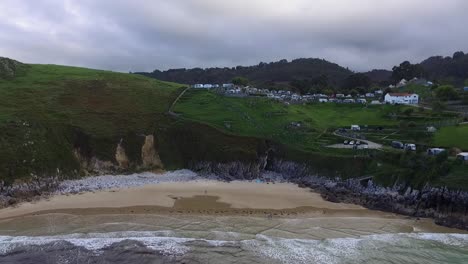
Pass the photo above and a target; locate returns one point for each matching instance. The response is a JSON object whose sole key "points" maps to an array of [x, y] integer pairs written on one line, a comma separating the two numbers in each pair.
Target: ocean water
{"points": [[164, 247]]}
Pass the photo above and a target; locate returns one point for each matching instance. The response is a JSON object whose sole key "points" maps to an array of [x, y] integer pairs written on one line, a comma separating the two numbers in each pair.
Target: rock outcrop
{"points": [[121, 157], [149, 156], [9, 68]]}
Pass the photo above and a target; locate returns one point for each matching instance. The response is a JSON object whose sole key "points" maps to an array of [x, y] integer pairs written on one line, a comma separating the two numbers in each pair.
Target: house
{"points": [[339, 95], [402, 98], [435, 151], [355, 128], [323, 100], [198, 86], [375, 102], [361, 101], [228, 85], [349, 101], [370, 95], [402, 83], [207, 86], [431, 129], [378, 92], [463, 156]]}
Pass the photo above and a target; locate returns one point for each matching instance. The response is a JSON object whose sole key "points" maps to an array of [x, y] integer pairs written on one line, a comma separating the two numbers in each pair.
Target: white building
{"points": [[402, 83], [228, 85], [198, 86], [402, 98]]}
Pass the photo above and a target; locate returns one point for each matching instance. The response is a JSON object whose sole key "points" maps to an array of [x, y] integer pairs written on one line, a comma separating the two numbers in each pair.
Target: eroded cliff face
{"points": [[149, 156], [121, 157], [143, 155]]}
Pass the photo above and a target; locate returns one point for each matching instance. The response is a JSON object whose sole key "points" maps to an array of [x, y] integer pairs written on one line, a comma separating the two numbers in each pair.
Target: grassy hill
{"points": [[455, 136], [51, 116], [47, 110], [261, 117]]}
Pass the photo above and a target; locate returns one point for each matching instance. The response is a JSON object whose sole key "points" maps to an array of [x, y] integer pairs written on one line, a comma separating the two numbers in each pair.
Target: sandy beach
{"points": [[193, 195], [142, 207]]}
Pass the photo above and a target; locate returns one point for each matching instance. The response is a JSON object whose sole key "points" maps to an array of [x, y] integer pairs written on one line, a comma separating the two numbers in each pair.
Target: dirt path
{"points": [[171, 108]]}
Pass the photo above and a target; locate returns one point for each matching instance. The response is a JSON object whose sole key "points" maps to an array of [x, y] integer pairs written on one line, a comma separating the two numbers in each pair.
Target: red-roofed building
{"points": [[402, 98]]}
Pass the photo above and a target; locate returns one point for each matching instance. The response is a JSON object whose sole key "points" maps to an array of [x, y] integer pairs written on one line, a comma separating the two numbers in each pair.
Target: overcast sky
{"points": [[142, 35]]}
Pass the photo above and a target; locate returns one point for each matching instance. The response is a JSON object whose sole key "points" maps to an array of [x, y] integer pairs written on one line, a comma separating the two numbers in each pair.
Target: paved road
{"points": [[370, 144]]}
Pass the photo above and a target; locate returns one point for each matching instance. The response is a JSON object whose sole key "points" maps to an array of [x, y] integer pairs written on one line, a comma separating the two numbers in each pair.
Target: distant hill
{"points": [[379, 76], [449, 69], [275, 72]]}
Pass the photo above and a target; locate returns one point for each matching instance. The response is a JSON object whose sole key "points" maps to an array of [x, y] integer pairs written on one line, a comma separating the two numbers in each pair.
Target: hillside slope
{"points": [[50, 115]]}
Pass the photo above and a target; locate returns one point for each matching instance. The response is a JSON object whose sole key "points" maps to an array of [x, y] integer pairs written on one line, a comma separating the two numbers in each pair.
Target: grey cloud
{"points": [[143, 35]]}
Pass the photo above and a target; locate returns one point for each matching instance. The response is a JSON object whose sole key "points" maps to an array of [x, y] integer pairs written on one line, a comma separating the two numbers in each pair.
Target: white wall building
{"points": [[402, 98]]}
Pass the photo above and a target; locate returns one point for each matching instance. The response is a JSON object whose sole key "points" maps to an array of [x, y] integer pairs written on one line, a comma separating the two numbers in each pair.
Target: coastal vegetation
{"points": [[59, 120]]}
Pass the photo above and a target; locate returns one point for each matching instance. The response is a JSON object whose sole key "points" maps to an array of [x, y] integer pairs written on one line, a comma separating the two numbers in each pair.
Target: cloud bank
{"points": [[142, 35]]}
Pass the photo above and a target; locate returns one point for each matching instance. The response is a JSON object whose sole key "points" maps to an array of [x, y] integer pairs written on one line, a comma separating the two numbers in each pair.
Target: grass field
{"points": [[44, 106], [266, 118], [455, 136]]}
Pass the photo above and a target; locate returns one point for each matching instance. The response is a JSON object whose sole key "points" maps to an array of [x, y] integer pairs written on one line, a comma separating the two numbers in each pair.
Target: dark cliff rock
{"points": [[447, 207]]}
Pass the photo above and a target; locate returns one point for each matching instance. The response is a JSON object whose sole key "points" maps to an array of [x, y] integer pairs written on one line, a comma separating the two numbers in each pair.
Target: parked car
{"points": [[358, 142], [351, 142], [346, 142], [397, 145], [411, 147]]}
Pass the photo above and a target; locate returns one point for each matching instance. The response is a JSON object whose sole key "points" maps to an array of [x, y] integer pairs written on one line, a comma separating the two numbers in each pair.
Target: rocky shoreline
{"points": [[448, 208]]}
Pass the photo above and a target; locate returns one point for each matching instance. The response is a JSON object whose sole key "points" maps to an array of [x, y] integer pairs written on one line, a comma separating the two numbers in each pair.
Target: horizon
{"points": [[141, 36]]}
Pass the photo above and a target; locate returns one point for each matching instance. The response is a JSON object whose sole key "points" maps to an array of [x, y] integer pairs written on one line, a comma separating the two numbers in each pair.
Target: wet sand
{"points": [[250, 208]]}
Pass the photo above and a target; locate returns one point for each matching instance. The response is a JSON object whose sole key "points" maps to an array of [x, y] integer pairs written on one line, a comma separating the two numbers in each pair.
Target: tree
{"points": [[458, 55], [407, 71], [357, 80], [240, 81], [446, 92], [438, 106]]}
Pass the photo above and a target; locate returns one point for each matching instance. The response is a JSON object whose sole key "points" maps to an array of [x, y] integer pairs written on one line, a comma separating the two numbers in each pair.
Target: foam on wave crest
{"points": [[366, 248]]}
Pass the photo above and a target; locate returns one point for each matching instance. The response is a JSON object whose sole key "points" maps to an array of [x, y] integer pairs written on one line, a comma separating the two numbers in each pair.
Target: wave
{"points": [[387, 248]]}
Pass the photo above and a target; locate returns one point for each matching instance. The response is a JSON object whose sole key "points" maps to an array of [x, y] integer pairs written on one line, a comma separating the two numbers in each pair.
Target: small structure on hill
{"points": [[431, 129], [355, 128], [402, 98]]}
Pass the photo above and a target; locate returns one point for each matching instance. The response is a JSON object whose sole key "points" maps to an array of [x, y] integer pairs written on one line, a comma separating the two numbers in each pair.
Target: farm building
{"points": [[355, 128], [402, 98]]}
